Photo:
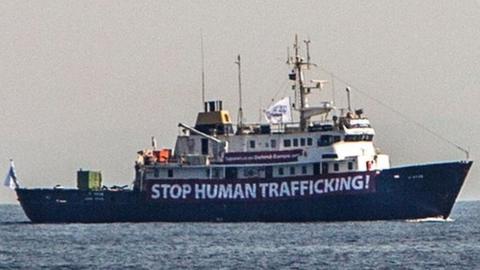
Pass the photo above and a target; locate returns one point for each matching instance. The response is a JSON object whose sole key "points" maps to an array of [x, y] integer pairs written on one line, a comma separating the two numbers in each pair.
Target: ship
{"points": [[321, 167]]}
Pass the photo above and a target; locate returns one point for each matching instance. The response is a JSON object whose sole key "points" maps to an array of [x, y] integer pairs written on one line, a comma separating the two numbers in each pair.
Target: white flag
{"points": [[279, 112], [11, 178]]}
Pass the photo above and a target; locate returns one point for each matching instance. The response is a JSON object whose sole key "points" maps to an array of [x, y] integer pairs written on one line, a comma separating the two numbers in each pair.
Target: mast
{"points": [[303, 89], [203, 69], [240, 110], [298, 63]]}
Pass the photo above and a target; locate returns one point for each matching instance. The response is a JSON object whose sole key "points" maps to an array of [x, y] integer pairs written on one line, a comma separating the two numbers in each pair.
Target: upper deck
{"points": [[324, 139]]}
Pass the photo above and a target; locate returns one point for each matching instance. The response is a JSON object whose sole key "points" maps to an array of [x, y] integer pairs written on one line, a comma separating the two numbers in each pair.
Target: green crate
{"points": [[89, 180]]}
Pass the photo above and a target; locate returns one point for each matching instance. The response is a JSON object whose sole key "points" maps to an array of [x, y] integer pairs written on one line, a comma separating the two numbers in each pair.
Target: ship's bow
{"points": [[426, 190], [454, 177]]}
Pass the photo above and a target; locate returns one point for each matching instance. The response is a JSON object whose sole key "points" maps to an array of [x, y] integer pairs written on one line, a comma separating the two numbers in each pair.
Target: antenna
{"points": [[203, 69], [154, 143], [295, 46], [307, 44], [289, 60], [240, 111], [333, 89], [260, 111], [348, 98]]}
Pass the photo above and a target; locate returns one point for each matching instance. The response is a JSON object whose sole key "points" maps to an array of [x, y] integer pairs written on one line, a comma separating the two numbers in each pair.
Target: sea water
{"points": [[417, 244]]}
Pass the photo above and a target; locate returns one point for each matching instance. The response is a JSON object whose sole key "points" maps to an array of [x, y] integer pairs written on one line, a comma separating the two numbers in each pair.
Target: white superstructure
{"points": [[340, 142]]}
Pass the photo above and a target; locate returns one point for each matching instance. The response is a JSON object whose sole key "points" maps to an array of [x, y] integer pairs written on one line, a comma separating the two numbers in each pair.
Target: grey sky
{"points": [[84, 84]]}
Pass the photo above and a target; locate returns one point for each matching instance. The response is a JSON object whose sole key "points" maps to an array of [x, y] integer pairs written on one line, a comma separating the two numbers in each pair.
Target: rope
{"points": [[282, 87], [402, 115]]}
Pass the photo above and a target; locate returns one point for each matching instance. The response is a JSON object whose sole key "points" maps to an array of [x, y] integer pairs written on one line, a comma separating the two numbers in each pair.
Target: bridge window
{"points": [[231, 173], [304, 169], [273, 143], [250, 172], [287, 143], [302, 141], [309, 141], [292, 170], [170, 173], [216, 172], [280, 171], [350, 166], [325, 156], [252, 144], [353, 138], [335, 167], [325, 140], [358, 138], [295, 142]]}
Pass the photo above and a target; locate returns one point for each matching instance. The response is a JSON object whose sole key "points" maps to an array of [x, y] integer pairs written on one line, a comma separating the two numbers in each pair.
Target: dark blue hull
{"points": [[410, 192]]}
